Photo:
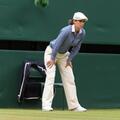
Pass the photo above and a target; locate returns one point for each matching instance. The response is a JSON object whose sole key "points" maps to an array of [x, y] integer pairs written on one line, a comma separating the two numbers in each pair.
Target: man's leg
{"points": [[48, 92], [68, 83]]}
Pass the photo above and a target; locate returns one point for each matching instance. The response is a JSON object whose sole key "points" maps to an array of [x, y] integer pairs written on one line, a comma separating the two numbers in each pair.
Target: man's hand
{"points": [[68, 63], [50, 63]]}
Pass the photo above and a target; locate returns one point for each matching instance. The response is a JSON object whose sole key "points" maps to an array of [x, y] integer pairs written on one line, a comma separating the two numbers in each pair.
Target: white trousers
{"points": [[67, 80]]}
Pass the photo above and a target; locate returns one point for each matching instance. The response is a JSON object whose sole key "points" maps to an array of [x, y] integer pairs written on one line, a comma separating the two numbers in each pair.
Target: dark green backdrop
{"points": [[21, 20], [97, 75], [97, 79]]}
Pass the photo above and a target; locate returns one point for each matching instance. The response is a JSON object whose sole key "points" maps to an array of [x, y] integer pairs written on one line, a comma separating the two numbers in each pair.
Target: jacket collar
{"points": [[73, 29]]}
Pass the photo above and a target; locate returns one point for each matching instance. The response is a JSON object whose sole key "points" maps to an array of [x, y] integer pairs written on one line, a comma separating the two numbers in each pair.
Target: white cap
{"points": [[79, 16]]}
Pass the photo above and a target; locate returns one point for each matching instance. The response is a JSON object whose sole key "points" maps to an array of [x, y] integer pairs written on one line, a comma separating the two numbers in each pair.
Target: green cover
{"points": [[22, 20]]}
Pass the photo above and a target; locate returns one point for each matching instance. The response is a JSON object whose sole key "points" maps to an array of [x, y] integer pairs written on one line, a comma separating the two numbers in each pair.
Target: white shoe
{"points": [[47, 109], [79, 109]]}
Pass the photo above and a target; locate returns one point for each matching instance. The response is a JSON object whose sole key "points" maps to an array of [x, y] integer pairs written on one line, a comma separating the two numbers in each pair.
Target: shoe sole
{"points": [[44, 110]]}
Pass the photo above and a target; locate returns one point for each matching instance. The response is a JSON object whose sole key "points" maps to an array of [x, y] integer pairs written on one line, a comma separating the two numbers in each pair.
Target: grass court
{"points": [[36, 114]]}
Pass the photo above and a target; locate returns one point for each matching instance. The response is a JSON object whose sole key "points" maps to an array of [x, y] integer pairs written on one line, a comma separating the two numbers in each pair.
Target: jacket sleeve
{"points": [[76, 48], [58, 42]]}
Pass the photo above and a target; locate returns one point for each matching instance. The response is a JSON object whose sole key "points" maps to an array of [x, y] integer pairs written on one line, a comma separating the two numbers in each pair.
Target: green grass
{"points": [[29, 114]]}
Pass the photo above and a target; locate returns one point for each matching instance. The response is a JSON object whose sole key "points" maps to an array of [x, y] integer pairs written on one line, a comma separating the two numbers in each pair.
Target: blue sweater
{"points": [[66, 39]]}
